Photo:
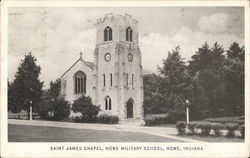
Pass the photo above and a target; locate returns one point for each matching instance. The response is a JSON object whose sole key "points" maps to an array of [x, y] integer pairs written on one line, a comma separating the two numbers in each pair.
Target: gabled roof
{"points": [[89, 64]]}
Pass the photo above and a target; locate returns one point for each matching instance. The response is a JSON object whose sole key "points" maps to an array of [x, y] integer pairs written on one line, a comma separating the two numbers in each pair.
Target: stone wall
{"points": [[68, 81]]}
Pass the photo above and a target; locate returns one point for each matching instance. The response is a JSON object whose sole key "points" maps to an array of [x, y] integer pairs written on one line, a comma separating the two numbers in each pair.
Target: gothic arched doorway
{"points": [[130, 105]]}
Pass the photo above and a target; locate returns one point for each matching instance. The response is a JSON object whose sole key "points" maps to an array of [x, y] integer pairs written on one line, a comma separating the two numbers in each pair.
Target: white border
{"points": [[42, 149]]}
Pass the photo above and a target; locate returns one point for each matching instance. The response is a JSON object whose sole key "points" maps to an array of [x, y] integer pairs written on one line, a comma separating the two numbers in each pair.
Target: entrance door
{"points": [[130, 108]]}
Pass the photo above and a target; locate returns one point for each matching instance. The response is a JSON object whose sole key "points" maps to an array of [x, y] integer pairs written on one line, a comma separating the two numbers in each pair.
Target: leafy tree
{"points": [[26, 84], [12, 106], [217, 56], [53, 106], [213, 88], [200, 60], [58, 109], [55, 88], [85, 106], [153, 101], [236, 52], [45, 104], [175, 85], [234, 78]]}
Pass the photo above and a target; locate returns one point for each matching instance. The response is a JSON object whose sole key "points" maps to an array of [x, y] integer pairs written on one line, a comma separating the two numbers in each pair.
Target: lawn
{"points": [[213, 139], [25, 133]]}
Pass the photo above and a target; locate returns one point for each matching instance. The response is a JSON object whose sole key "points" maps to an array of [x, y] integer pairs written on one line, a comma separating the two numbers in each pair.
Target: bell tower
{"points": [[118, 77]]}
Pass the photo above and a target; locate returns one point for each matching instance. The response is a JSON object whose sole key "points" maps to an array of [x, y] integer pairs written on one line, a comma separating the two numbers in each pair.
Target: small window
{"points": [[132, 80], [104, 82], [107, 34], [129, 34], [111, 80], [108, 103], [127, 79]]}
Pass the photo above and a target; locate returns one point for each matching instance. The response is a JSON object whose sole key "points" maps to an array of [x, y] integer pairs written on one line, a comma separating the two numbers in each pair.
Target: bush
{"points": [[156, 119], [86, 108], [180, 126], [171, 118], [205, 128], [236, 119], [231, 128], [57, 109], [242, 131], [109, 119], [217, 127], [191, 126]]}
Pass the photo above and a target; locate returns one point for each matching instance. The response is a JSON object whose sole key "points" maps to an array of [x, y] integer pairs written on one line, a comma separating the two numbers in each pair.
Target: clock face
{"points": [[130, 57], [107, 57]]}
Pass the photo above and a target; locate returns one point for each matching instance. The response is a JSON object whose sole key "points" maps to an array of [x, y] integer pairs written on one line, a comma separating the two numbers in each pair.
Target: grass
{"points": [[233, 119], [25, 133], [213, 139]]}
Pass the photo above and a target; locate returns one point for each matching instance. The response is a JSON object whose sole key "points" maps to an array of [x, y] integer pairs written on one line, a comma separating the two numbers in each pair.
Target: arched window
{"points": [[80, 82], [107, 103], [129, 34], [107, 34]]}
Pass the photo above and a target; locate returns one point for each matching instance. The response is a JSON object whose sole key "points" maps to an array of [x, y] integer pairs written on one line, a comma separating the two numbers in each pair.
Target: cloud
{"points": [[155, 46], [56, 41], [218, 22]]}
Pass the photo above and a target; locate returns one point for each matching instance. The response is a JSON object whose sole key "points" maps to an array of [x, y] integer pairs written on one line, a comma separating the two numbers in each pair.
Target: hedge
{"points": [[209, 129], [103, 118], [157, 119], [109, 119], [238, 120]]}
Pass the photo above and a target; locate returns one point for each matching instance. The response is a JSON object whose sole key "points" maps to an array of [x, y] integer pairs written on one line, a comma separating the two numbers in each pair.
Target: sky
{"points": [[56, 36]]}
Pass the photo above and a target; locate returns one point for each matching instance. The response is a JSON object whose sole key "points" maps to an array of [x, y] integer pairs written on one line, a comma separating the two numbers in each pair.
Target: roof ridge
{"points": [[86, 62]]}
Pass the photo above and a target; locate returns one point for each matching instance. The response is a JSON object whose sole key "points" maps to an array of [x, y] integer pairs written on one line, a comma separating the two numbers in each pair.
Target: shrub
{"points": [[149, 121], [231, 128], [217, 127], [109, 119], [86, 108], [171, 118], [236, 119], [191, 126], [180, 126], [205, 128], [242, 131], [157, 119], [58, 109]]}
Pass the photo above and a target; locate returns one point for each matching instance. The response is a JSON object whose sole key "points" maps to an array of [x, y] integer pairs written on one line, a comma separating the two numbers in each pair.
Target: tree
{"points": [[175, 85], [58, 109], [153, 102], [55, 88], [53, 106], [12, 106], [200, 60], [85, 106], [26, 84], [234, 78], [236, 52], [219, 86]]}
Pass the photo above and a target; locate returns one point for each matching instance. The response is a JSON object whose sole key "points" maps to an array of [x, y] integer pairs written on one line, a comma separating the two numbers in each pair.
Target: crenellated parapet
{"points": [[118, 25], [117, 18]]}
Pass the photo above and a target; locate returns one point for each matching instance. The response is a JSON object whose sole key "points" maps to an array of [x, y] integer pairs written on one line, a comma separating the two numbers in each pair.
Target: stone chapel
{"points": [[114, 80]]}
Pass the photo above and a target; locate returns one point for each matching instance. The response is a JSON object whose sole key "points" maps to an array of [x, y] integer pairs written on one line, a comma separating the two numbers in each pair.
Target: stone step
{"points": [[132, 121]]}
